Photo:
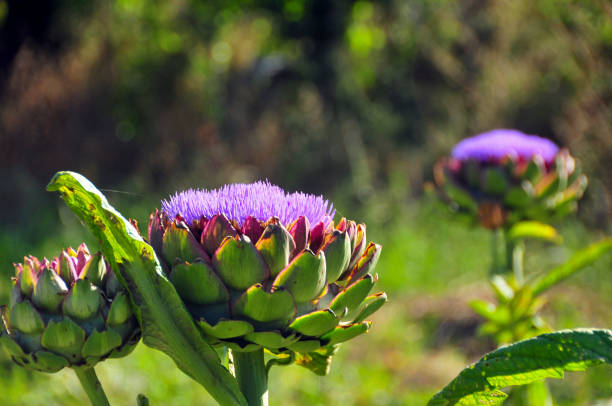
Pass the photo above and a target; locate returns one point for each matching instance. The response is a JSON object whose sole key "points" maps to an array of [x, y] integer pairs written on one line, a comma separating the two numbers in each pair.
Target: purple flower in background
{"points": [[238, 201], [501, 143]]}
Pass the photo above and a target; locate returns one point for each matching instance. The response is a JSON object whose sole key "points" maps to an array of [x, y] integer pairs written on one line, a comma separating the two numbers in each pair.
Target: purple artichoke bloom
{"points": [[258, 267], [501, 143], [239, 201], [504, 176]]}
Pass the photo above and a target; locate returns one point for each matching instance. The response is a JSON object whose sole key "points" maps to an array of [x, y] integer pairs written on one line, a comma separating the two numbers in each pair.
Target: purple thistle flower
{"points": [[501, 143], [238, 201]]}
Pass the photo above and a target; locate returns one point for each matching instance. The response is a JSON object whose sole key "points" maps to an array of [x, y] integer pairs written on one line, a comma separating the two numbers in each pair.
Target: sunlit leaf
{"points": [[164, 320], [544, 356]]}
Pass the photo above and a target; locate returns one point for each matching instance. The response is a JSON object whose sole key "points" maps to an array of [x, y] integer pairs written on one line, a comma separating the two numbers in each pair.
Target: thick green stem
{"points": [[89, 380], [250, 371]]}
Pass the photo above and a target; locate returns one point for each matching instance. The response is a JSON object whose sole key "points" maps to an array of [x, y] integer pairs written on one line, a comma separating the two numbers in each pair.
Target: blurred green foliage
{"points": [[351, 99]]}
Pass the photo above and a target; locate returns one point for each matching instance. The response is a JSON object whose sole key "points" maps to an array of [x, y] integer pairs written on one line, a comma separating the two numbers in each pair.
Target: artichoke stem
{"points": [[250, 371], [498, 253], [89, 380]]}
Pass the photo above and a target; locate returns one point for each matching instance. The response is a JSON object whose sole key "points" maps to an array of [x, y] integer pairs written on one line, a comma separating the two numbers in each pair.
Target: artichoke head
{"points": [[296, 289], [71, 311], [500, 192]]}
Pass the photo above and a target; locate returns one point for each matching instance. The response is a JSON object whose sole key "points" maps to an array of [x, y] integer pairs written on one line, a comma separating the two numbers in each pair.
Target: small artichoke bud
{"points": [[275, 246], [67, 319], [49, 291]]}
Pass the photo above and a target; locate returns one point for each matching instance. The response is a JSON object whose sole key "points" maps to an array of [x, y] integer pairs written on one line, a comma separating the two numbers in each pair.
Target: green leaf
{"points": [[534, 229], [544, 356], [579, 260], [166, 324]]}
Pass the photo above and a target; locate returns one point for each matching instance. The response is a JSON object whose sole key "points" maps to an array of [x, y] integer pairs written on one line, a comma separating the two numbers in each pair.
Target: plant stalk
{"points": [[498, 244], [250, 372], [92, 386]]}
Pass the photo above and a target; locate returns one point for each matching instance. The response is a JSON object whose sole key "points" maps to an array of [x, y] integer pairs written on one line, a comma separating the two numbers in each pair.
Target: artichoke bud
{"points": [[304, 277], [300, 232], [84, 300], [198, 283], [179, 243], [215, 232], [26, 277], [61, 322], [49, 291], [238, 263], [275, 246], [252, 228], [337, 250]]}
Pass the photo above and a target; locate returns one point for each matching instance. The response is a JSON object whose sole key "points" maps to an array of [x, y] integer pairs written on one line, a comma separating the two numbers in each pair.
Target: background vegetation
{"points": [[353, 100]]}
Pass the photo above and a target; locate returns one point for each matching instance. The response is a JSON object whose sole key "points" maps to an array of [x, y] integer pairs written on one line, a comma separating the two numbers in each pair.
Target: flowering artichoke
{"points": [[504, 176], [259, 268], [71, 311]]}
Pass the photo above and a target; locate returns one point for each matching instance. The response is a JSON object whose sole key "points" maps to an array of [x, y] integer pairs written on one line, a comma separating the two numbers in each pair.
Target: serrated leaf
{"points": [[166, 324], [579, 260], [544, 356]]}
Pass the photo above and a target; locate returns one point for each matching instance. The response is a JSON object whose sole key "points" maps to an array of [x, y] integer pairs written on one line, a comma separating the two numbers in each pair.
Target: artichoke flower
{"points": [[258, 268], [503, 176], [68, 312]]}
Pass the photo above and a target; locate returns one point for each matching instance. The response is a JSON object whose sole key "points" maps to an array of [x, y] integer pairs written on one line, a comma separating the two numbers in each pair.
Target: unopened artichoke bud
{"points": [[67, 312], [504, 176], [270, 270]]}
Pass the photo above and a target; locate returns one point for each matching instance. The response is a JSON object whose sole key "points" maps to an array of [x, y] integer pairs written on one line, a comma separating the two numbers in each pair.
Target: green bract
{"points": [[71, 311], [290, 289]]}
